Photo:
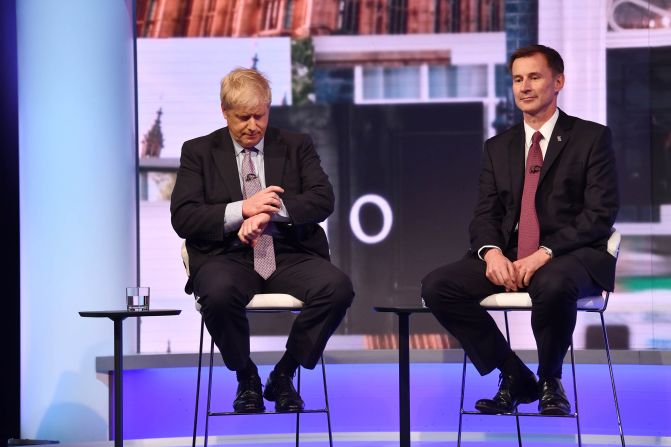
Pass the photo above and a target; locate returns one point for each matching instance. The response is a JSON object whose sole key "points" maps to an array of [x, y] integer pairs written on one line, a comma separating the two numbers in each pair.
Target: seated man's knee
{"points": [[549, 290], [432, 284], [342, 290], [220, 295]]}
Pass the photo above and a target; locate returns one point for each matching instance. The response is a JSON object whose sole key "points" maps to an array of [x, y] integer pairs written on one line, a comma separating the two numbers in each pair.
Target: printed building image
{"points": [[428, 55], [303, 18]]}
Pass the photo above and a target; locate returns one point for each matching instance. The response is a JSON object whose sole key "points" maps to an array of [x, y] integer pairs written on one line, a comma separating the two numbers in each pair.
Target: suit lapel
{"points": [[274, 157], [517, 162], [560, 136], [223, 154]]}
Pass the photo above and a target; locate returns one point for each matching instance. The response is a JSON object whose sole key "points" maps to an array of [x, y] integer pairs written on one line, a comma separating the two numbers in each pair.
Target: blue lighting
{"points": [[364, 398]]}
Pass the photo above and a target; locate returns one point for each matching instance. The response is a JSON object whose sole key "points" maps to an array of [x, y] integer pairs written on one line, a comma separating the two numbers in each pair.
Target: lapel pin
{"points": [[559, 138]]}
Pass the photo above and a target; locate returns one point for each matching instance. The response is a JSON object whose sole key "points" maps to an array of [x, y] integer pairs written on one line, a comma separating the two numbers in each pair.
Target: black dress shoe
{"points": [[553, 398], [280, 389], [248, 397], [512, 392]]}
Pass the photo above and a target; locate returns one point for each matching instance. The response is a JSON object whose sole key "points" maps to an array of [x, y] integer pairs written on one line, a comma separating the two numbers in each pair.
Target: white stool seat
{"points": [[274, 300], [522, 300], [269, 301]]}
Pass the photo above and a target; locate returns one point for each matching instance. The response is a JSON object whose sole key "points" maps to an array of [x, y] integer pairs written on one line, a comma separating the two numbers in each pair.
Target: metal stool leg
{"points": [[612, 378], [326, 402], [575, 396], [200, 364], [517, 417], [461, 401], [209, 391], [298, 414]]}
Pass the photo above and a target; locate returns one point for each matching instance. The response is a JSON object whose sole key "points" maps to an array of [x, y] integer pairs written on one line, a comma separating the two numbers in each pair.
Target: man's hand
{"points": [[265, 201], [500, 270], [252, 228], [525, 268]]}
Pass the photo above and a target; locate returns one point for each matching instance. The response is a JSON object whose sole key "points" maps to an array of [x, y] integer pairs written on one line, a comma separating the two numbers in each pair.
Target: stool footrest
{"points": [[478, 413], [232, 413]]}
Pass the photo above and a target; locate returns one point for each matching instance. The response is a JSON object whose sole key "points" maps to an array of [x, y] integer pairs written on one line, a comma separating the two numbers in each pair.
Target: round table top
{"points": [[123, 313]]}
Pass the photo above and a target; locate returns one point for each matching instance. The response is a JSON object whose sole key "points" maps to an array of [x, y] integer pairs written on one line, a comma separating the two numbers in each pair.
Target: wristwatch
{"points": [[547, 251]]}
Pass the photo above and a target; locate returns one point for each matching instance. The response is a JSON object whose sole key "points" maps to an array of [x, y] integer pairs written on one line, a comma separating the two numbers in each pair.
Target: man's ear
{"points": [[223, 111], [559, 82]]}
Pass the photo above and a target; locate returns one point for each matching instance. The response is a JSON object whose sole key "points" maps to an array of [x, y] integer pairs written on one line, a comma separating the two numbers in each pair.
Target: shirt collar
{"points": [[239, 149], [546, 129]]}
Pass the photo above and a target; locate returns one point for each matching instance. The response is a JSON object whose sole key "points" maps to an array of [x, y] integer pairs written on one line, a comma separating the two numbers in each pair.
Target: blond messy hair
{"points": [[244, 87]]}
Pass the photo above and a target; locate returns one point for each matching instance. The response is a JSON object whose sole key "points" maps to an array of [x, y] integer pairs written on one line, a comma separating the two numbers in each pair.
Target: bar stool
{"points": [[265, 302], [518, 301]]}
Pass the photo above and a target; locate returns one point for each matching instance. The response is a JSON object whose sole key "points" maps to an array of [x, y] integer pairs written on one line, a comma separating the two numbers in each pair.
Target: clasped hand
{"points": [[257, 211], [265, 201], [252, 228], [513, 275]]}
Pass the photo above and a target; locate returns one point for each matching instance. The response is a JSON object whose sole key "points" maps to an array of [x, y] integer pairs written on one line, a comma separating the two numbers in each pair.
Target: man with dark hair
{"points": [[248, 199], [547, 201]]}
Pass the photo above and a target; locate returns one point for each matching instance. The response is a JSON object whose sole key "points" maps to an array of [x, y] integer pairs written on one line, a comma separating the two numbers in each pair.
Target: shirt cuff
{"points": [[480, 254], [547, 250], [282, 215], [233, 216]]}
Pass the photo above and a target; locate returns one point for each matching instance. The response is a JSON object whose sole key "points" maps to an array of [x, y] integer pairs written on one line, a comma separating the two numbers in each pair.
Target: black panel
{"points": [[9, 227], [424, 160], [628, 100], [660, 122]]}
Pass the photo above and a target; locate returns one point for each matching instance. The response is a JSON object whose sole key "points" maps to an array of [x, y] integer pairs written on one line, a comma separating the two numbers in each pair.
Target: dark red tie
{"points": [[529, 230]]}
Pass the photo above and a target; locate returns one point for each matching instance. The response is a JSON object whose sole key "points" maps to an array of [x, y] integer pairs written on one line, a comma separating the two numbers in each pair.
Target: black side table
{"points": [[403, 313], [118, 316]]}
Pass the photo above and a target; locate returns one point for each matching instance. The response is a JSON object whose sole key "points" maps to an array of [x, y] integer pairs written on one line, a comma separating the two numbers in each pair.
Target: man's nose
{"points": [[526, 85]]}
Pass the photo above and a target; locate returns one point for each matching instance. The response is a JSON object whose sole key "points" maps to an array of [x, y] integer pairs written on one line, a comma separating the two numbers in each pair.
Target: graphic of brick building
{"points": [[302, 18]]}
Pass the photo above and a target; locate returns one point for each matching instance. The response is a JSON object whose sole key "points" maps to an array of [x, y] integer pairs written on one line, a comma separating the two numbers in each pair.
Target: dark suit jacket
{"points": [[208, 180], [577, 198]]}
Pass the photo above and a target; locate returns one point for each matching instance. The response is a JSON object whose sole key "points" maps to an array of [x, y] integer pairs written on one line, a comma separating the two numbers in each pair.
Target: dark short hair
{"points": [[553, 58]]}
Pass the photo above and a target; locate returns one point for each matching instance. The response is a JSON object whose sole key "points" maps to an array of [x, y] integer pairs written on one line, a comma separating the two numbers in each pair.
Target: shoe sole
{"points": [[554, 411], [272, 398], [249, 410], [487, 410], [288, 410]]}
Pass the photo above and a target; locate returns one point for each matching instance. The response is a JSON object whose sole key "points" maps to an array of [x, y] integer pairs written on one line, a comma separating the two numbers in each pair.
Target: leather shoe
{"points": [[513, 391], [280, 389], [248, 397], [553, 398]]}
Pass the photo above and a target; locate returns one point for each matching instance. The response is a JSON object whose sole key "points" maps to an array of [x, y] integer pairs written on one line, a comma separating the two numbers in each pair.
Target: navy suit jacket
{"points": [[208, 180], [576, 201]]}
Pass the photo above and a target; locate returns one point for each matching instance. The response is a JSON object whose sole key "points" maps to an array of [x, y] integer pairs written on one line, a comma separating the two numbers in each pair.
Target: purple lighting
{"points": [[364, 398]]}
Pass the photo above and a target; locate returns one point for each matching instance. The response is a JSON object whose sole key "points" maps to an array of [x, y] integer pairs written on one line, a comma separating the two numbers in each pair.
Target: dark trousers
{"points": [[226, 284], [453, 294]]}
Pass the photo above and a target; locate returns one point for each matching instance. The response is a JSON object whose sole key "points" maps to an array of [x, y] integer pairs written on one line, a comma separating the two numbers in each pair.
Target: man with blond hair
{"points": [[248, 199]]}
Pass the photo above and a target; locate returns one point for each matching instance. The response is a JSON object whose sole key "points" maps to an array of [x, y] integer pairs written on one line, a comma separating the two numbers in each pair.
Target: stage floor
{"points": [[364, 409], [388, 439]]}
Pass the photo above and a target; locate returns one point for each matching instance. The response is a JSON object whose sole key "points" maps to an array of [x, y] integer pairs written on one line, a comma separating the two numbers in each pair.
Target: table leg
{"points": [[404, 377], [118, 383]]}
